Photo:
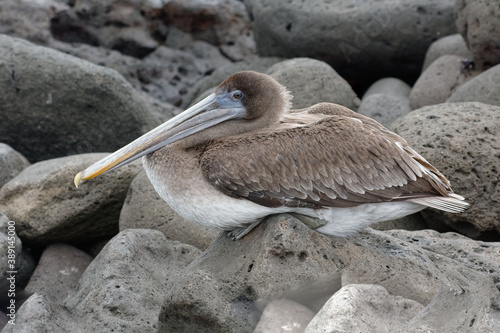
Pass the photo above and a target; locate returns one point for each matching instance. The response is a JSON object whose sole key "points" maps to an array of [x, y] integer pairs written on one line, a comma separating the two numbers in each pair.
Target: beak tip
{"points": [[78, 179]]}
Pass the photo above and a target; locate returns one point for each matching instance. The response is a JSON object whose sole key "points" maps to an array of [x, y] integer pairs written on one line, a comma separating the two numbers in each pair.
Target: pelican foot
{"points": [[311, 222], [238, 233]]}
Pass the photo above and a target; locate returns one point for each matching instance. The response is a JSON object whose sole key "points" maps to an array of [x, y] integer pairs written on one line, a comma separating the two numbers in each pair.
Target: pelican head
{"points": [[243, 102]]}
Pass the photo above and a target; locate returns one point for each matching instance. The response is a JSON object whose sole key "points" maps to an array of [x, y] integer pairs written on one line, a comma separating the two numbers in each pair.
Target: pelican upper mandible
{"points": [[242, 154]]}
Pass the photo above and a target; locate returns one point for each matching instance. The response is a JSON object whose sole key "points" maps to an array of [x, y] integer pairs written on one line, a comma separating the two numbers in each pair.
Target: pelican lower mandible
{"points": [[242, 154]]}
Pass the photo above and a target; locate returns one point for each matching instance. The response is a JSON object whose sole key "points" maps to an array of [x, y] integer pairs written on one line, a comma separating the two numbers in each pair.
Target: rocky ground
{"points": [[83, 77]]}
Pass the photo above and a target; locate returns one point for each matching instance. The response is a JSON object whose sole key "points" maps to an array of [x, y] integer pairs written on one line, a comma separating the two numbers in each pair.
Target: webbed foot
{"points": [[238, 233], [311, 222]]}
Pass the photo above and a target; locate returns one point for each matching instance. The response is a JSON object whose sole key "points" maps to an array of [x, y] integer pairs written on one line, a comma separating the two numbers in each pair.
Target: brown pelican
{"points": [[241, 154]]}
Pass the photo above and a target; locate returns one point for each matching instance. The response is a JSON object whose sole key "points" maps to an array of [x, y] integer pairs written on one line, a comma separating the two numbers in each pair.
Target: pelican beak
{"points": [[211, 111]]}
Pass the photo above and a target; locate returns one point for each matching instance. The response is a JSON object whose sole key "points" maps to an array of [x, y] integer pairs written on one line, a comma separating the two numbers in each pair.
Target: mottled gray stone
{"points": [[462, 141], [11, 163], [58, 271], [384, 108], [284, 315], [452, 44], [364, 308], [143, 208], [48, 208], [54, 104], [312, 81], [389, 86], [438, 82], [362, 40], [483, 88], [479, 23], [121, 291]]}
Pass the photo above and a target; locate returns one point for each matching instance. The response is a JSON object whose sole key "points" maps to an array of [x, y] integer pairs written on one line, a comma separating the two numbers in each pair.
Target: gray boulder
{"points": [[483, 88], [381, 312], [384, 108], [11, 163], [58, 272], [362, 40], [452, 44], [47, 207], [438, 82], [312, 81], [144, 209], [389, 86], [479, 22], [461, 140], [54, 104], [117, 292]]}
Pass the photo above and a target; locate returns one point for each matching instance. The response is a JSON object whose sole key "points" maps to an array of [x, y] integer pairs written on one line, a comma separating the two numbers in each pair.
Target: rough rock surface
{"points": [[364, 308], [452, 44], [11, 163], [283, 315], [108, 298], [58, 272], [384, 108], [462, 141], [479, 23], [47, 207], [55, 105], [439, 81], [362, 40], [483, 88], [311, 81], [143, 208]]}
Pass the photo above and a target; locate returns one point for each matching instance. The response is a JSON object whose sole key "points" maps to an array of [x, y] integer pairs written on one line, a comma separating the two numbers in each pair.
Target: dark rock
{"points": [[47, 207], [381, 311], [438, 82], [462, 141], [55, 105], [11, 163], [312, 81], [483, 88], [452, 44], [116, 25], [143, 208], [410, 222], [223, 23], [362, 40], [58, 272], [479, 23], [117, 292], [284, 315]]}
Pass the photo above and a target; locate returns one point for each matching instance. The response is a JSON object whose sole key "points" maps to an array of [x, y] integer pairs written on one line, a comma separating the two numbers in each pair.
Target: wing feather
{"points": [[339, 158]]}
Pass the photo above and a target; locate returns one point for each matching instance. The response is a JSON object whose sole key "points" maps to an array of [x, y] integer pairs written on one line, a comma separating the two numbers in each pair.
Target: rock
{"points": [[384, 108], [311, 81], [411, 222], [143, 208], [278, 256], [58, 272], [117, 25], [482, 88], [11, 163], [47, 207], [362, 40], [282, 253], [29, 19], [389, 86], [54, 104], [223, 23], [284, 316], [11, 249], [381, 311], [478, 22], [438, 82], [117, 292], [219, 74], [452, 44], [461, 140]]}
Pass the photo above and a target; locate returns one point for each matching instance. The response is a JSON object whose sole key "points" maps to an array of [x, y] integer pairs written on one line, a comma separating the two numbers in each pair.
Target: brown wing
{"points": [[338, 161]]}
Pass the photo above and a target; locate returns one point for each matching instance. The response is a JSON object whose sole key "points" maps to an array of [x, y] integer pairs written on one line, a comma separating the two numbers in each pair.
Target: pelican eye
{"points": [[237, 95]]}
